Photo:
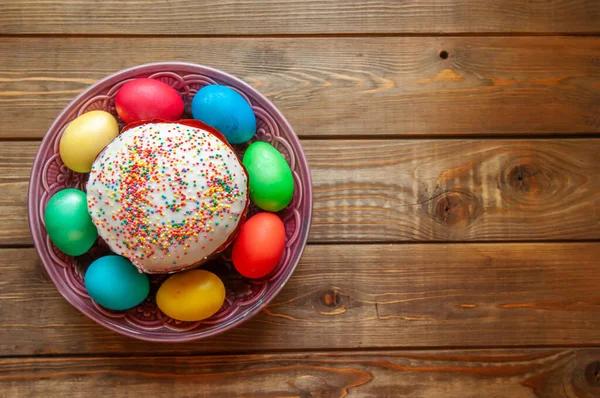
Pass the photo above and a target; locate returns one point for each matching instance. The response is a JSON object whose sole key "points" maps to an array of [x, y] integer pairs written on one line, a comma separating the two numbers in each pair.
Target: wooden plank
{"points": [[455, 190], [354, 296], [268, 17], [337, 86], [467, 373], [413, 190], [16, 160]]}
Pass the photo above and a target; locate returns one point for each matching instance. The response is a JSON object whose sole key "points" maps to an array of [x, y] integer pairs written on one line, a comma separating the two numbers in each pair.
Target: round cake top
{"points": [[167, 195]]}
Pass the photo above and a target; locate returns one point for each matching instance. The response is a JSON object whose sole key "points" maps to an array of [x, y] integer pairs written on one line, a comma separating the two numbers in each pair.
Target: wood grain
{"points": [[365, 84], [441, 190], [413, 190], [337, 87], [528, 373], [16, 160], [354, 296], [268, 17]]}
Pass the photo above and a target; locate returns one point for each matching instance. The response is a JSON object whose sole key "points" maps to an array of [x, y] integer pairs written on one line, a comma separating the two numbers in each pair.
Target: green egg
{"points": [[270, 178], [68, 222]]}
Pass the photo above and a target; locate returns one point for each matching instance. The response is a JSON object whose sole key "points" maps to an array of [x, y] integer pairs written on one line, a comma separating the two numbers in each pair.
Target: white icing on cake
{"points": [[167, 195]]}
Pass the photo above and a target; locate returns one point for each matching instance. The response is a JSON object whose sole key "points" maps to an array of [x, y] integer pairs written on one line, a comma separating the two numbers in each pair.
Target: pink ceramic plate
{"points": [[244, 297]]}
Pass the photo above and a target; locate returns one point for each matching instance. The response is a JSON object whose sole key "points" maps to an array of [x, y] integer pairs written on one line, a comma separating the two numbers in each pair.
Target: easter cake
{"points": [[167, 195]]}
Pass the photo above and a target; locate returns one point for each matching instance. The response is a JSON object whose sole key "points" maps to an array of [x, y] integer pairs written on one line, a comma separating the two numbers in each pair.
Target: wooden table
{"points": [[455, 248]]}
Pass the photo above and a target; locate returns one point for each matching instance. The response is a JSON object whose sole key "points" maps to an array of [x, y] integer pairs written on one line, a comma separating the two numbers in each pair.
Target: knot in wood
{"points": [[534, 180], [330, 298], [457, 208], [527, 178], [330, 302], [592, 374]]}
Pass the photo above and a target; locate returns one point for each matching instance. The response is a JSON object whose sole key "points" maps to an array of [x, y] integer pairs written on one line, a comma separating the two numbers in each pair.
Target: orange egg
{"points": [[259, 245]]}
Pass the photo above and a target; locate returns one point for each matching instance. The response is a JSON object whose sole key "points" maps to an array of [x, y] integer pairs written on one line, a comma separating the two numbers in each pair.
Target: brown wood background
{"points": [[455, 154]]}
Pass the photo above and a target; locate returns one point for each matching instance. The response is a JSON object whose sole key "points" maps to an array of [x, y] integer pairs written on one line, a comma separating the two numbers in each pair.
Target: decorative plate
{"points": [[244, 297]]}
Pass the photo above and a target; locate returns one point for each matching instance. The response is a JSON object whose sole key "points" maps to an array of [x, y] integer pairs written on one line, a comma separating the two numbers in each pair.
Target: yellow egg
{"points": [[85, 138], [191, 296]]}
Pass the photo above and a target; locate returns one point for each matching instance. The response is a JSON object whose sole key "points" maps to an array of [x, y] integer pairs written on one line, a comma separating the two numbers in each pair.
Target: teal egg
{"points": [[115, 283], [269, 177], [68, 222]]}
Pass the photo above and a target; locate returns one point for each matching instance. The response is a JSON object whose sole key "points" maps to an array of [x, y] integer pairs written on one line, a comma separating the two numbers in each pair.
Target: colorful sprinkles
{"points": [[166, 195]]}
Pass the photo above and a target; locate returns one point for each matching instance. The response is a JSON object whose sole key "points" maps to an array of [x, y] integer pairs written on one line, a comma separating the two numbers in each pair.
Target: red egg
{"points": [[146, 99], [259, 245]]}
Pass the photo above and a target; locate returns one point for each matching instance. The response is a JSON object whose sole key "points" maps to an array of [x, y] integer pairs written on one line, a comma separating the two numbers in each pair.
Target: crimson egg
{"points": [[259, 245], [147, 99]]}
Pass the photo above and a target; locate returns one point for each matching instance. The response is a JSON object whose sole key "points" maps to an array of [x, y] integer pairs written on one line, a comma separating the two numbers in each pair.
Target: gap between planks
{"points": [[292, 36], [313, 351]]}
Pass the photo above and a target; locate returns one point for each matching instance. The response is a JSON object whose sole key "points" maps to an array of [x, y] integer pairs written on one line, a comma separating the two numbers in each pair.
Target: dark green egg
{"points": [[270, 178], [68, 222]]}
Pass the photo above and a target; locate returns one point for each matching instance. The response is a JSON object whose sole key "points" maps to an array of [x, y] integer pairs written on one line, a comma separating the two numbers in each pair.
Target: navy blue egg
{"points": [[114, 283], [226, 110]]}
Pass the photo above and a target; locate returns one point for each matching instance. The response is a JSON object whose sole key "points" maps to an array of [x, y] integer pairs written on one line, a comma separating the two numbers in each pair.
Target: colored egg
{"points": [[146, 99], [114, 283], [85, 137], [68, 222], [226, 110], [191, 296], [270, 178], [259, 245]]}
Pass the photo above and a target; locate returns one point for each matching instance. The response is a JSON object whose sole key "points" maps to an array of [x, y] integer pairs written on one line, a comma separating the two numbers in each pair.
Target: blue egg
{"points": [[226, 110], [114, 283]]}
